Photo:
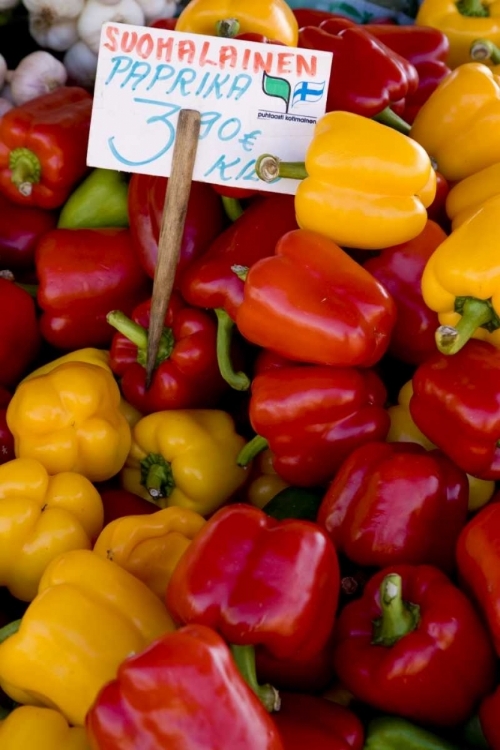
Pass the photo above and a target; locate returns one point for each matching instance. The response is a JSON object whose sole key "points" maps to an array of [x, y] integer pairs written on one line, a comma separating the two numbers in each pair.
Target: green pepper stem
{"points": [[225, 326], [392, 120], [475, 313], [25, 169], [472, 8], [240, 271], [232, 207], [270, 168], [227, 28], [483, 49], [244, 656], [255, 446], [11, 629], [128, 328], [31, 289], [398, 617], [157, 477]]}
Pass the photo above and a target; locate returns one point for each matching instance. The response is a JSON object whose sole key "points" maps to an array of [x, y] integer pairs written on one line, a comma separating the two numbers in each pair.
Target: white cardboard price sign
{"points": [[253, 98]]}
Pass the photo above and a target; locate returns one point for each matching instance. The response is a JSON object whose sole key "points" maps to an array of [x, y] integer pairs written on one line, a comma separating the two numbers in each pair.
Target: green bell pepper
{"points": [[99, 201]]}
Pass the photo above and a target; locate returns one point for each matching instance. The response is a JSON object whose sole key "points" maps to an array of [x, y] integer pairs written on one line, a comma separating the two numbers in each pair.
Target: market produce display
{"points": [[288, 535]]}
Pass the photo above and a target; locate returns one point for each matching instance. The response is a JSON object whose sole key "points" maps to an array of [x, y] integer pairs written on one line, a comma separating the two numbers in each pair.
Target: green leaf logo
{"points": [[277, 87]]}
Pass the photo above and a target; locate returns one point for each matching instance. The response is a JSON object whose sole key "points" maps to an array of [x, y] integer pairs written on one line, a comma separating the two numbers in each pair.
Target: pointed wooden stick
{"points": [[172, 227]]}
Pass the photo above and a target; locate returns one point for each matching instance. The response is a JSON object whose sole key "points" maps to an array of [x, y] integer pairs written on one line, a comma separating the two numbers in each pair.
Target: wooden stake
{"points": [[172, 227]]}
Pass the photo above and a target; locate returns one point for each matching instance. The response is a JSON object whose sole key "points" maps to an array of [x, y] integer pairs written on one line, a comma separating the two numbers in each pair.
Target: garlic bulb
{"points": [[37, 74], [50, 31], [81, 64], [6, 92], [3, 71], [58, 9], [95, 14], [5, 105], [8, 4], [156, 9]]}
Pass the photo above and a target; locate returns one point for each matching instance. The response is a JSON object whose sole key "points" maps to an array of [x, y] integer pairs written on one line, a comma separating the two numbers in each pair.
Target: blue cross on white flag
{"points": [[308, 91]]}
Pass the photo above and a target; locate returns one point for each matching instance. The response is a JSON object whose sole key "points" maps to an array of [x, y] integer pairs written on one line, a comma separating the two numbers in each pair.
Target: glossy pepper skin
{"points": [[70, 420], [391, 78], [99, 201], [210, 281], [393, 503], [461, 282], [43, 728], [454, 404], [271, 18], [311, 302], [418, 644], [150, 546], [185, 458], [19, 333], [367, 186], [6, 436], [41, 518], [310, 437], [463, 110], [244, 563], [184, 692], [477, 560], [88, 616], [83, 274], [311, 720], [469, 195], [462, 23], [21, 228], [43, 147], [404, 430], [205, 220], [399, 269], [488, 716], [187, 357]]}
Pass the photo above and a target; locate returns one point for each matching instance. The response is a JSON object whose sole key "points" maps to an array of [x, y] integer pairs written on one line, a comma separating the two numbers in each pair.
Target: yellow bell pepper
{"points": [[404, 430], [185, 458], [467, 196], [69, 419], [33, 728], [272, 18], [88, 616], [265, 483], [40, 518], [461, 282], [458, 125], [150, 546], [98, 357], [462, 22], [364, 185]]}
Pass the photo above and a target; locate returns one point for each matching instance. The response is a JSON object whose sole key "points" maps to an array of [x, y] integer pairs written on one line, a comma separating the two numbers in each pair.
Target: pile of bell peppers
{"points": [[290, 535]]}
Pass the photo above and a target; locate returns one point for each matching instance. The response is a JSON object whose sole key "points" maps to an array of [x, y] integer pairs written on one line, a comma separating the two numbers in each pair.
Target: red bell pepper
{"points": [[186, 375], [43, 147], [489, 711], [259, 582], [205, 220], [426, 49], [211, 282], [311, 16], [6, 437], [21, 228], [455, 404], [312, 674], [313, 418], [391, 77], [414, 646], [393, 503], [118, 503], [400, 269], [311, 721], [478, 560], [183, 692], [19, 333], [83, 274], [311, 302]]}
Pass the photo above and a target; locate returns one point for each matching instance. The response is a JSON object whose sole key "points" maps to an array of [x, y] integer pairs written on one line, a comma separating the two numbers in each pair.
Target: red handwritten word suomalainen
{"points": [[168, 49]]}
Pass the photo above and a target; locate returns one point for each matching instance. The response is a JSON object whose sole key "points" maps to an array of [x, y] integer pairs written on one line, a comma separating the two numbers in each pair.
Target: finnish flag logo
{"points": [[306, 92]]}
